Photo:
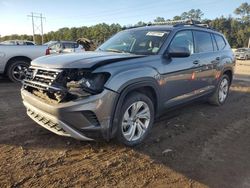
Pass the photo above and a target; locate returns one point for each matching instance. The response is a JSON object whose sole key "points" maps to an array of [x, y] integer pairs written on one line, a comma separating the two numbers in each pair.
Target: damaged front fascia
{"points": [[70, 86], [70, 77]]}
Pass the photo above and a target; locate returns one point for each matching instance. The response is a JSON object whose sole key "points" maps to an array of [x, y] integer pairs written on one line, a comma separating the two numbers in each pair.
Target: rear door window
{"points": [[220, 42], [203, 42]]}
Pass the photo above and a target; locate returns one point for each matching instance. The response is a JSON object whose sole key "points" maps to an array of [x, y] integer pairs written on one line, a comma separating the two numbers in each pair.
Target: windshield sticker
{"points": [[155, 33]]}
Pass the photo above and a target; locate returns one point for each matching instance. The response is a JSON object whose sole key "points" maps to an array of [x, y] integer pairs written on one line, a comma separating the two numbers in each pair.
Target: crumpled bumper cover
{"points": [[83, 119]]}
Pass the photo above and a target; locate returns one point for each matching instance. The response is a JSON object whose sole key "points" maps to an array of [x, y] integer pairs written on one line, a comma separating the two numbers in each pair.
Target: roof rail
{"points": [[175, 23], [178, 23]]}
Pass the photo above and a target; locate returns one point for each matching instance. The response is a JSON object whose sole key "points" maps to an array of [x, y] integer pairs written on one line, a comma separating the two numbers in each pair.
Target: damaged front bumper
{"points": [[87, 118]]}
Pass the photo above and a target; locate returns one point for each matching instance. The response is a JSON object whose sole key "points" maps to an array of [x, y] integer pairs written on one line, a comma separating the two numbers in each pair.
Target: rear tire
{"points": [[17, 70], [221, 93], [136, 118]]}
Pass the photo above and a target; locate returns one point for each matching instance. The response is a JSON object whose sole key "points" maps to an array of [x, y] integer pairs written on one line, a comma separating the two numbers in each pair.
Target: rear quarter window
{"points": [[221, 43]]}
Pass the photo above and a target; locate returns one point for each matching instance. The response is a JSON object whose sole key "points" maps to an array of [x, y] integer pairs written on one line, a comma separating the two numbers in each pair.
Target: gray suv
{"points": [[118, 90]]}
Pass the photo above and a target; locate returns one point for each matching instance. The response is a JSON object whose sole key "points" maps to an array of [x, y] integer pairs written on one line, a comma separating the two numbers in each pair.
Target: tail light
{"points": [[47, 51]]}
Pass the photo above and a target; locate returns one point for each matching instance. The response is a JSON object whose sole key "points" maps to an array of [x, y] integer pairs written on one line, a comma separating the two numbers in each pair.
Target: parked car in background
{"points": [[118, 90], [58, 47], [242, 53], [17, 42], [15, 59], [50, 43]]}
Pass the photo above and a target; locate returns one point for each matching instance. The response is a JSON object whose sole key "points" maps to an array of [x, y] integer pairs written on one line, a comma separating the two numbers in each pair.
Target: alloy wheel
{"points": [[223, 90], [19, 71], [135, 121]]}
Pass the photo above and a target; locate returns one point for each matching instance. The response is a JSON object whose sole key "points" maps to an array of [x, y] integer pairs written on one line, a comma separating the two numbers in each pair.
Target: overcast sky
{"points": [[75, 13]]}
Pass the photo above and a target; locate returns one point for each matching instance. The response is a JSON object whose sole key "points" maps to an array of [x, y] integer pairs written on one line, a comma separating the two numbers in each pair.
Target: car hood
{"points": [[81, 60]]}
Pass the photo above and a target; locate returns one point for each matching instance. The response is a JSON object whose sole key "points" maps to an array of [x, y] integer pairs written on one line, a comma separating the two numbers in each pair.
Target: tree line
{"points": [[236, 29]]}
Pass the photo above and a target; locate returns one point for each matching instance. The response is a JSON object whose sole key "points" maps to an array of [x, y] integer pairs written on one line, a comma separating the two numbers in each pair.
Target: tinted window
{"points": [[55, 46], [76, 45], [203, 42], [29, 43], [220, 42], [183, 39], [214, 43], [68, 45]]}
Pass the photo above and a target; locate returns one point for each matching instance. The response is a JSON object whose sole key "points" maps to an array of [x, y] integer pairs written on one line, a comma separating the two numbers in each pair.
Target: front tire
{"points": [[135, 119], [221, 93]]}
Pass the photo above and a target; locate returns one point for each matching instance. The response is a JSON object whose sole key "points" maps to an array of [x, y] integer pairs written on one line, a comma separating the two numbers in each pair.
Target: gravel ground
{"points": [[198, 145]]}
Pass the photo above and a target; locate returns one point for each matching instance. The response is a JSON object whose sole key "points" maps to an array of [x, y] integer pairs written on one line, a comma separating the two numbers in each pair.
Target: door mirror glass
{"points": [[178, 52]]}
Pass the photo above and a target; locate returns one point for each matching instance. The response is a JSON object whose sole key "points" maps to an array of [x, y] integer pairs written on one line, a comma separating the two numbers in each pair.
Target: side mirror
{"points": [[178, 52]]}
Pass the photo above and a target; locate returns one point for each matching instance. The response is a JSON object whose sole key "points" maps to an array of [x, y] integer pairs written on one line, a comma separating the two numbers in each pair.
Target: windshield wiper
{"points": [[114, 50]]}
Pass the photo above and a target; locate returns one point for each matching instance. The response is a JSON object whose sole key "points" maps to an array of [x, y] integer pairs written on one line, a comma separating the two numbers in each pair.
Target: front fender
{"points": [[127, 81], [122, 79]]}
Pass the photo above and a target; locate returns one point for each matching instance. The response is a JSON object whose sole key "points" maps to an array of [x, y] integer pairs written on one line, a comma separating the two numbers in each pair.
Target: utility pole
{"points": [[36, 27], [41, 17], [248, 43], [33, 27]]}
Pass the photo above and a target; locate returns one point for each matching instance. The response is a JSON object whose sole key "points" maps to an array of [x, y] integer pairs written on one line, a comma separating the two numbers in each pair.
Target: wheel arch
{"points": [[148, 87], [229, 73], [12, 60]]}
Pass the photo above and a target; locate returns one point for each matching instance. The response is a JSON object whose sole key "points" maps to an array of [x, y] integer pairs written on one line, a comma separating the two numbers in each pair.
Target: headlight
{"points": [[88, 83]]}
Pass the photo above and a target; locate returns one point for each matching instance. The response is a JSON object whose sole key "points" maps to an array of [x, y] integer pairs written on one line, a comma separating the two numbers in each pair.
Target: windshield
{"points": [[142, 42], [241, 50]]}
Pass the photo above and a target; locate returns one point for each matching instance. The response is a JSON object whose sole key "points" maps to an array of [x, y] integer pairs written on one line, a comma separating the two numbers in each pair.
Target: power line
{"points": [[35, 26]]}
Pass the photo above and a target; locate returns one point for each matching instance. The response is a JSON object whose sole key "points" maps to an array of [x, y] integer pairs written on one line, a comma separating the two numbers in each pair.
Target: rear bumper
{"points": [[84, 119]]}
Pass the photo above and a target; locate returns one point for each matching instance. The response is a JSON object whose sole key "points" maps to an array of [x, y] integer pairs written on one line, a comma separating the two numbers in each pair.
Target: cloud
{"points": [[5, 3]]}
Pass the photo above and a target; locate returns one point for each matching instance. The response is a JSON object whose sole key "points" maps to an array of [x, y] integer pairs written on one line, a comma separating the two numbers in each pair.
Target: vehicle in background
{"points": [[15, 59], [242, 53], [17, 42], [50, 43], [59, 47]]}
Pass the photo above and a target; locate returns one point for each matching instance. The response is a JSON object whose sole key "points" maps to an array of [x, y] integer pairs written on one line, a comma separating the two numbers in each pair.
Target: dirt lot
{"points": [[196, 146]]}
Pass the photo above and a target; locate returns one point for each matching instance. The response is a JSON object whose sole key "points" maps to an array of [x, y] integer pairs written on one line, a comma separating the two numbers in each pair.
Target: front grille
{"points": [[47, 123], [41, 78]]}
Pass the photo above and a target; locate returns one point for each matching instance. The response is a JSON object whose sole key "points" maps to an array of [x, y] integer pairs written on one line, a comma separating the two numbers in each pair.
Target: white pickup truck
{"points": [[15, 59]]}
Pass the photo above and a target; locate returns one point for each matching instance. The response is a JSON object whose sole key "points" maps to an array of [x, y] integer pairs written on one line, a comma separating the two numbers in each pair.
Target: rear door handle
{"points": [[196, 62]]}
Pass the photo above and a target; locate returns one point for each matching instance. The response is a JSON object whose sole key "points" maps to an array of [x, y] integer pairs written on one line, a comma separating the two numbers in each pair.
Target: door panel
{"points": [[176, 73], [208, 59], [177, 78]]}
